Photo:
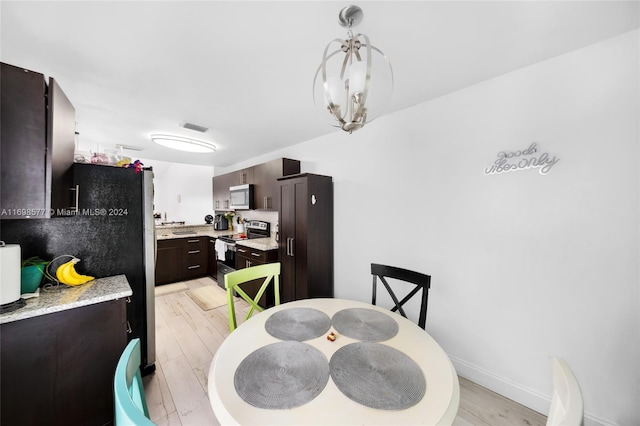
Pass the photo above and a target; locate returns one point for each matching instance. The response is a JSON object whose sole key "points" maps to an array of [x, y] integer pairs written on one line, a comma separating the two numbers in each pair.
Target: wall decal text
{"points": [[509, 161]]}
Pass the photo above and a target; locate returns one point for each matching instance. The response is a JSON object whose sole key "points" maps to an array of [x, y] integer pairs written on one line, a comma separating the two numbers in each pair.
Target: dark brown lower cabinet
{"points": [[168, 262], [247, 257], [181, 259], [212, 259], [194, 257], [57, 369]]}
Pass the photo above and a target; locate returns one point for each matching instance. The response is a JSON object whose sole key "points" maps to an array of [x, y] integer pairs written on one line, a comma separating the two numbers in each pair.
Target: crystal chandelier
{"points": [[354, 82]]}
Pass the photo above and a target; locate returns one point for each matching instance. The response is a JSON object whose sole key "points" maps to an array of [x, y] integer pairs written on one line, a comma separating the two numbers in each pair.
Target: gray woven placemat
{"points": [[282, 375], [365, 324], [377, 376], [298, 324]]}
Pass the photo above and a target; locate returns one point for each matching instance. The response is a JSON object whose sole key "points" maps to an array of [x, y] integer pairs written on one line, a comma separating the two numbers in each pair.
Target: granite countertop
{"points": [[168, 232], [264, 244], [64, 297]]}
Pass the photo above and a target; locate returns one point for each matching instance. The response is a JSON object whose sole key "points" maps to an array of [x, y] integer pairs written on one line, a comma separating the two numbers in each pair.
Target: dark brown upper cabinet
{"points": [[243, 176], [265, 175], [221, 196], [37, 143], [264, 178]]}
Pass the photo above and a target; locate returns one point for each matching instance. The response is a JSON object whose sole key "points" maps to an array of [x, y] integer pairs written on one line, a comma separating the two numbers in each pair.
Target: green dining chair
{"points": [[233, 281], [128, 391]]}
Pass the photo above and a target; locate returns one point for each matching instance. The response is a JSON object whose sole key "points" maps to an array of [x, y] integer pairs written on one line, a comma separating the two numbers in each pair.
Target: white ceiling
{"points": [[245, 69]]}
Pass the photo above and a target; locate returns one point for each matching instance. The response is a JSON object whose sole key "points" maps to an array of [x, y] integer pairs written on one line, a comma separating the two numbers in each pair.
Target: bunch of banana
{"points": [[66, 273]]}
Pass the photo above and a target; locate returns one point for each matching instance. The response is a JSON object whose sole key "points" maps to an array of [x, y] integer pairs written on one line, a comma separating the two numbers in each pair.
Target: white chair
{"points": [[566, 404]]}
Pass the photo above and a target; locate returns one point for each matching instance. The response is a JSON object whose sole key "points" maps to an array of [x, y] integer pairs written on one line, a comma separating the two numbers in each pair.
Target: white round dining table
{"points": [[438, 406]]}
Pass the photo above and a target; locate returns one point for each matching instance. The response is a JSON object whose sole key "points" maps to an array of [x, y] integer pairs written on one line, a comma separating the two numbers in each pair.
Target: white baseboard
{"points": [[518, 393], [514, 391]]}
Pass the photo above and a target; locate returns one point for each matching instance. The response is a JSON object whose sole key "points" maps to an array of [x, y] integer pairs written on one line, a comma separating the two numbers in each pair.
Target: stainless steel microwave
{"points": [[242, 196]]}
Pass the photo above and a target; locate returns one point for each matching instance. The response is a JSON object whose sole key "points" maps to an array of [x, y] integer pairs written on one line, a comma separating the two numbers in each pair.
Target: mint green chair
{"points": [[128, 391], [270, 272]]}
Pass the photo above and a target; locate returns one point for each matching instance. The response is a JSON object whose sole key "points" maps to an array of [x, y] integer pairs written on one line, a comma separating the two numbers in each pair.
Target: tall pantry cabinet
{"points": [[306, 236]]}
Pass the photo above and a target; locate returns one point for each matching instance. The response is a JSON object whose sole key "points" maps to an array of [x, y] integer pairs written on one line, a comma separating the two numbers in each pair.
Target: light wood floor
{"points": [[187, 338]]}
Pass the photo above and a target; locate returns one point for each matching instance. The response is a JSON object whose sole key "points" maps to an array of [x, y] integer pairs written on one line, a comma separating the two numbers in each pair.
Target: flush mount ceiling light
{"points": [[354, 82], [183, 144], [128, 147]]}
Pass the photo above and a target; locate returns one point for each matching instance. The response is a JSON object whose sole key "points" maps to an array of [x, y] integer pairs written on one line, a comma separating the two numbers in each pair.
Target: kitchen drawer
{"points": [[195, 250], [246, 256], [192, 259], [194, 256], [259, 256], [197, 269], [195, 243]]}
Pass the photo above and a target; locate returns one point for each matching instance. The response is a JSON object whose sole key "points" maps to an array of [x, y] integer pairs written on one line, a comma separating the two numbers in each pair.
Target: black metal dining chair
{"points": [[422, 282]]}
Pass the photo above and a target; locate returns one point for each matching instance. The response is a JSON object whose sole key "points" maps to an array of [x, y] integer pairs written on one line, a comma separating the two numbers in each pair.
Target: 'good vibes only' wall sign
{"points": [[510, 161]]}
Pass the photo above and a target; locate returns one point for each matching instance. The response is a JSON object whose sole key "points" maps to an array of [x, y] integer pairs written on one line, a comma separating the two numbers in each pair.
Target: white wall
{"points": [[182, 191], [524, 266]]}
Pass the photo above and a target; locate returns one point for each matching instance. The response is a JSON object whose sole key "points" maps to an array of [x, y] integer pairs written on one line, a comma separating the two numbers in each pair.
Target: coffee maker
{"points": [[220, 223]]}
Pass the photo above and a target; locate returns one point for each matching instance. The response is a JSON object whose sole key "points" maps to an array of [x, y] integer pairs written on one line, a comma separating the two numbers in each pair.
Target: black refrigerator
{"points": [[109, 225]]}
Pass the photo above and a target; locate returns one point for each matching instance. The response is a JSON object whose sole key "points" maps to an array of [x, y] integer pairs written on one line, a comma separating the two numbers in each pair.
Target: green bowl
{"points": [[31, 277]]}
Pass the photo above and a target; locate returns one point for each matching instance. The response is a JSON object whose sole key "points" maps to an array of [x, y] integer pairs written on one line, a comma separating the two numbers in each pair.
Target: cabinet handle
{"points": [[194, 251], [76, 208], [217, 204], [193, 267], [247, 263], [193, 241], [255, 254], [292, 254], [240, 250], [128, 299], [129, 329]]}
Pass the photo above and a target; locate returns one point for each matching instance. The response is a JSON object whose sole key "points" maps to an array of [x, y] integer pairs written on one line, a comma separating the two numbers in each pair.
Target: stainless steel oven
{"points": [[255, 229], [228, 264], [222, 271]]}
